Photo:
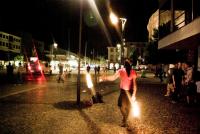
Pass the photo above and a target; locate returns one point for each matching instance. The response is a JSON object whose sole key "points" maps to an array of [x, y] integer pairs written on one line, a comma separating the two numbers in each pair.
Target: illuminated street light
{"points": [[55, 45], [114, 19]]}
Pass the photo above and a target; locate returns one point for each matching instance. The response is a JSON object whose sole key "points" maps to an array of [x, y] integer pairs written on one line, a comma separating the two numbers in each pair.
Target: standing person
{"points": [[19, 74], [98, 69], [60, 75], [170, 86], [190, 86], [114, 69], [127, 87], [88, 68], [160, 73], [178, 76], [95, 70], [10, 72]]}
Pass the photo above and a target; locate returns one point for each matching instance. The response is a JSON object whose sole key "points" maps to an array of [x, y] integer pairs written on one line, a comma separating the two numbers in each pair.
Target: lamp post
{"points": [[79, 52], [55, 45], [123, 22], [114, 19]]}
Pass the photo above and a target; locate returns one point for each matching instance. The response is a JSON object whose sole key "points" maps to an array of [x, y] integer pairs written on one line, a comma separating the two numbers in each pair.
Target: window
{"points": [[111, 57], [111, 49]]}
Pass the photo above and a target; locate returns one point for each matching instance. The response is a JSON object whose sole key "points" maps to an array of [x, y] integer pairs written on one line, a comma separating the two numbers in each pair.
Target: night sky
{"points": [[58, 20]]}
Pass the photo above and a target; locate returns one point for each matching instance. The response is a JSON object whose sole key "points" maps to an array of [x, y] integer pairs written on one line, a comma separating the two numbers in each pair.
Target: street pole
{"points": [[52, 53], [85, 53], [123, 22], [79, 54]]}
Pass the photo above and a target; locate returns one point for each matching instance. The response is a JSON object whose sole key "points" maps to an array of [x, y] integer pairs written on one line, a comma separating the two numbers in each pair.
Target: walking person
{"points": [[60, 75], [128, 87]]}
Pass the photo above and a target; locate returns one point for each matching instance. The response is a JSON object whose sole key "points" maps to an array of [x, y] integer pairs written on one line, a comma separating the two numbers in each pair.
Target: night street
{"points": [[50, 107], [100, 67]]}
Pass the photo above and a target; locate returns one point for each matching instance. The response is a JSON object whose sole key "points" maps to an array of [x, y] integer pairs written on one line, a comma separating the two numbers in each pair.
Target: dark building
{"points": [[179, 29]]}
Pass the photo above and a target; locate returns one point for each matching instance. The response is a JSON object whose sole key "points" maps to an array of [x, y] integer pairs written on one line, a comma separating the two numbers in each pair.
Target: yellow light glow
{"points": [[135, 110], [114, 19], [89, 80]]}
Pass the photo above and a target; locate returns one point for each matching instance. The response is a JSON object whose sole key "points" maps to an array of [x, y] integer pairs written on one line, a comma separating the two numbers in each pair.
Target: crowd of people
{"points": [[181, 83]]}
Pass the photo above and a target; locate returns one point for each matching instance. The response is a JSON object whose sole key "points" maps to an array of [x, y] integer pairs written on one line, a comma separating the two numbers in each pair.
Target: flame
{"points": [[89, 81], [135, 109]]}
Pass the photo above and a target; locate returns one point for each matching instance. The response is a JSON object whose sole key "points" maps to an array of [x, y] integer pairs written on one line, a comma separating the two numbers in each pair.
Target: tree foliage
{"points": [[134, 56], [151, 53], [19, 58]]}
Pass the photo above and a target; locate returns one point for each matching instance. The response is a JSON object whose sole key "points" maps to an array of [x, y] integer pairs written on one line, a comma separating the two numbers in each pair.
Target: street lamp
{"points": [[114, 20], [79, 53], [55, 45]]}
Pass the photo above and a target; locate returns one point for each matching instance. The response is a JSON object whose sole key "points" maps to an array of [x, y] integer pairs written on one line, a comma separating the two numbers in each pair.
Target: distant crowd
{"points": [[182, 82]]}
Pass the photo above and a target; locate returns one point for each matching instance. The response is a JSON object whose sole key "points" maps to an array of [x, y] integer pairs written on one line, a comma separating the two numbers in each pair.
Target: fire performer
{"points": [[128, 88]]}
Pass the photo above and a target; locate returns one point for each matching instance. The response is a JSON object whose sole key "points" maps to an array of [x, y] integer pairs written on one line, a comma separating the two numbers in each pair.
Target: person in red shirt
{"points": [[128, 88]]}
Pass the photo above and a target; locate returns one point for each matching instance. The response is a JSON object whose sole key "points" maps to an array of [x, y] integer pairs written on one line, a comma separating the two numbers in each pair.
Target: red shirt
{"points": [[125, 80]]}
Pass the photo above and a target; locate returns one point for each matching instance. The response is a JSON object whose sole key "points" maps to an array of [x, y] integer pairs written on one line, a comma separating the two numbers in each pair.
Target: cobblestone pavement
{"points": [[50, 107]]}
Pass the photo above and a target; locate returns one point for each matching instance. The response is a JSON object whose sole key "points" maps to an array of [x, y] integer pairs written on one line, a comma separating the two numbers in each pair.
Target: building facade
{"points": [[178, 23], [180, 29], [9, 45], [114, 53]]}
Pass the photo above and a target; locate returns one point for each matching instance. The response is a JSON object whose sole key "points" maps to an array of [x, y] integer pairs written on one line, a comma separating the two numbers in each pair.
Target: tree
{"points": [[151, 53], [19, 58], [152, 48], [134, 56]]}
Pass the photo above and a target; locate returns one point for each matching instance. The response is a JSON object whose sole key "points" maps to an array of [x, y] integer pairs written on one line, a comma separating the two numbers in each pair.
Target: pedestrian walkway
{"points": [[52, 108]]}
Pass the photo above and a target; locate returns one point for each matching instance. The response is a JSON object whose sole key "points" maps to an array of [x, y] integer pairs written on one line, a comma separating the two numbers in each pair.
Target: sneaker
{"points": [[166, 95]]}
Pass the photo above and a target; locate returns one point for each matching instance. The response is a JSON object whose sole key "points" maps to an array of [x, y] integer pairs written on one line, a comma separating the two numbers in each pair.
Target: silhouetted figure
{"points": [[98, 69], [160, 73], [10, 73], [60, 75], [114, 69], [178, 75], [19, 74], [95, 70], [88, 68]]}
